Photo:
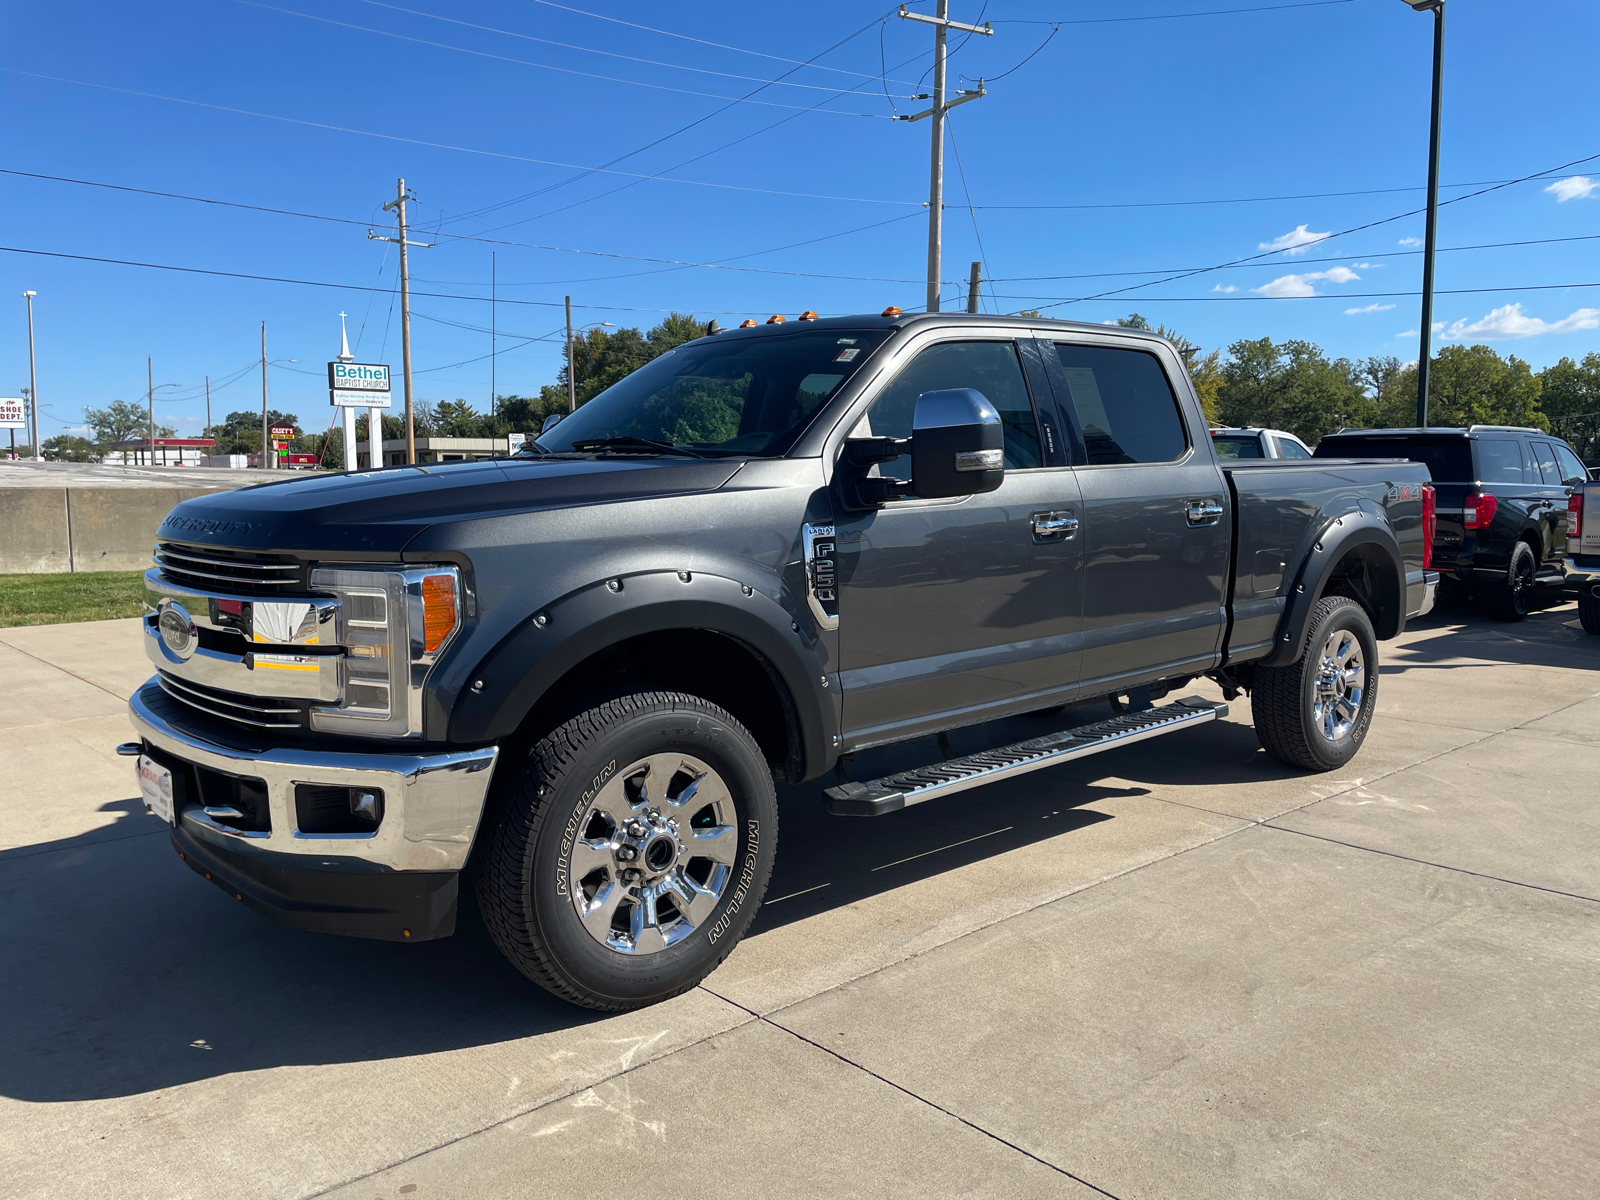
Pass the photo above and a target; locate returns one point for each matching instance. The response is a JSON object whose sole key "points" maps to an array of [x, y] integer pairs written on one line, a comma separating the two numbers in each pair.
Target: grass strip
{"points": [[78, 596]]}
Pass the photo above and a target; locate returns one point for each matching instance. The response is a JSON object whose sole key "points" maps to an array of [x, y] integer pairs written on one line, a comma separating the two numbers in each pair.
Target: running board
{"points": [[894, 792]]}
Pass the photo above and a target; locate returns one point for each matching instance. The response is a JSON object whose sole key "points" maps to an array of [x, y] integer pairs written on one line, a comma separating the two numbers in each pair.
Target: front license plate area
{"points": [[155, 786]]}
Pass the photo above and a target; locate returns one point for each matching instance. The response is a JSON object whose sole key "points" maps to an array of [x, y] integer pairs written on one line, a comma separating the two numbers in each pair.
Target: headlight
{"points": [[393, 625]]}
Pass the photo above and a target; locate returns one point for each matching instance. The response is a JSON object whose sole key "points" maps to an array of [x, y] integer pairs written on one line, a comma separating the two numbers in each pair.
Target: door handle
{"points": [[1204, 512], [1053, 525]]}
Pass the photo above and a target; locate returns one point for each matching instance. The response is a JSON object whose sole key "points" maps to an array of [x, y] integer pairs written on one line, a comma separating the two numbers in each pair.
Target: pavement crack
{"points": [[937, 1107], [63, 670]]}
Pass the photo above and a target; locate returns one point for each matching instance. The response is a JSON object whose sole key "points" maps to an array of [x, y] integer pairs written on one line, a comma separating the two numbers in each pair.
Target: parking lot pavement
{"points": [[1174, 969]]}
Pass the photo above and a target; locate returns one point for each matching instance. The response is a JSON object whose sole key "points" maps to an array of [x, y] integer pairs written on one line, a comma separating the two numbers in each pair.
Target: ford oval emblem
{"points": [[178, 630]]}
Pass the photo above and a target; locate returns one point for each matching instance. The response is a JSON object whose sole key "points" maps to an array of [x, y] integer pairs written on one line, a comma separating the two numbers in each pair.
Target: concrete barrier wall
{"points": [[46, 529]]}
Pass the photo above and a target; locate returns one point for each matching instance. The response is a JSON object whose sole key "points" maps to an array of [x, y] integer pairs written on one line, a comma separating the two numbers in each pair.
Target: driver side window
{"points": [[988, 367]]}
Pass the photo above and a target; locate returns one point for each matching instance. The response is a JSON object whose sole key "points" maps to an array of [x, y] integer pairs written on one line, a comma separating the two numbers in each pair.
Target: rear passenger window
{"points": [[1573, 471], [1238, 447], [1499, 460], [1125, 407], [1544, 458], [1290, 449]]}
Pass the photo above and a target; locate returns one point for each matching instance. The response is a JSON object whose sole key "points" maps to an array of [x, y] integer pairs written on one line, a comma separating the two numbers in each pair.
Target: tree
{"points": [[1471, 385], [1570, 398], [458, 419], [67, 448], [1292, 385], [122, 421]]}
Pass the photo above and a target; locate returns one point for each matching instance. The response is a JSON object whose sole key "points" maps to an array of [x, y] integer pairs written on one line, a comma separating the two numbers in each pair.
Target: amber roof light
{"points": [[775, 319], [808, 315], [747, 323], [891, 311]]}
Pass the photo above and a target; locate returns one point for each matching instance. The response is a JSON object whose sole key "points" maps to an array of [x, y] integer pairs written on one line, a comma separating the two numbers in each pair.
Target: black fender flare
{"points": [[1340, 535], [544, 647]]}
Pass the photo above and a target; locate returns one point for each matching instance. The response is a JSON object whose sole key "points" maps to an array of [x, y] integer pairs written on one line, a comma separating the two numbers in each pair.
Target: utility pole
{"points": [[266, 440], [150, 395], [208, 407], [941, 22], [492, 335], [1426, 355], [33, 381], [398, 204], [572, 383], [972, 287]]}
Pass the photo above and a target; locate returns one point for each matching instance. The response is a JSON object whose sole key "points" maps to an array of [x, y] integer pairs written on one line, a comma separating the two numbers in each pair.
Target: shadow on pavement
{"points": [[1549, 637]]}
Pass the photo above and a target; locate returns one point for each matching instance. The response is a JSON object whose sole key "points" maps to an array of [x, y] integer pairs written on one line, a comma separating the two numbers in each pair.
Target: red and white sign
{"points": [[185, 442], [282, 431], [13, 412]]}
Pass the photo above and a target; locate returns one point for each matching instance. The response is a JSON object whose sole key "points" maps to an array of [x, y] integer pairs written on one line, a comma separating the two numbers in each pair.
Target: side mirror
{"points": [[549, 423], [957, 445]]}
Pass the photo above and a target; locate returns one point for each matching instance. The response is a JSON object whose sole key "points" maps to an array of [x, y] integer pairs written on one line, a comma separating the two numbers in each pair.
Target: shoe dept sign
{"points": [[358, 385]]}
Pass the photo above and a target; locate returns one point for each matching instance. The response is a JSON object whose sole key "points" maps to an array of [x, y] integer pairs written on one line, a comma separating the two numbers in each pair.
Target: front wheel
{"points": [[627, 854], [1315, 712]]}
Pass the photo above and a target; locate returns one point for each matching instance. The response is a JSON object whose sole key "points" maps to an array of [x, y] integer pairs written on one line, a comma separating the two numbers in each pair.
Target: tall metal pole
{"points": [[150, 395], [572, 383], [208, 407], [1424, 359], [972, 287], [266, 440], [493, 341], [936, 163], [33, 381]]}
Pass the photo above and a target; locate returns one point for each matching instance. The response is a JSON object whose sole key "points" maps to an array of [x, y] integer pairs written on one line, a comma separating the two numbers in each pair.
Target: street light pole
{"points": [[572, 383], [1425, 356], [33, 381]]}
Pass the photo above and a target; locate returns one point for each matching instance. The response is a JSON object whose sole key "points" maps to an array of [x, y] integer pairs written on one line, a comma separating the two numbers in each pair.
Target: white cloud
{"points": [[1300, 285], [1578, 187], [1411, 241], [1296, 240], [1509, 321], [1350, 312], [1369, 266], [1409, 333], [1226, 289]]}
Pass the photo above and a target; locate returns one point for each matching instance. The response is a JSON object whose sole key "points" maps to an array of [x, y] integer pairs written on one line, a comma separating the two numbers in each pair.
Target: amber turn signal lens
{"points": [[438, 610], [808, 315], [747, 323], [891, 311], [775, 319]]}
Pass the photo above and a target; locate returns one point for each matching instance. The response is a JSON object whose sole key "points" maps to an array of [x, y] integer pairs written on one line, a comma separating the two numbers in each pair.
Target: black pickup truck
{"points": [[580, 670]]}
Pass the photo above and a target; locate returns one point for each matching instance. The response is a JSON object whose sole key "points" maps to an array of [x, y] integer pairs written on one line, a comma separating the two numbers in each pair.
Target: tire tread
{"points": [[1275, 698]]}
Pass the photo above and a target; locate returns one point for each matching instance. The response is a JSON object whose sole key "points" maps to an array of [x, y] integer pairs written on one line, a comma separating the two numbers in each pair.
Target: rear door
{"points": [[1505, 472], [1553, 505], [1156, 529]]}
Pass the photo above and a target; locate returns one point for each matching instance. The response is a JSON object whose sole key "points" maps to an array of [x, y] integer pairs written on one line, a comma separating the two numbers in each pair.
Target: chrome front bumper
{"points": [[432, 802]]}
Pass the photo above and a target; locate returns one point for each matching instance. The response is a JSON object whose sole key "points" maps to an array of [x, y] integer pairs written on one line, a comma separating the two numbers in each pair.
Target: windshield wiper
{"points": [[625, 442]]}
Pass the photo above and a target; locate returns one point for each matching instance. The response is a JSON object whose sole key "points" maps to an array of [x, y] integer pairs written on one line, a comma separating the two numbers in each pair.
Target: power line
{"points": [[1217, 12], [1472, 291], [528, 37], [391, 137], [523, 62], [1249, 199], [1342, 233]]}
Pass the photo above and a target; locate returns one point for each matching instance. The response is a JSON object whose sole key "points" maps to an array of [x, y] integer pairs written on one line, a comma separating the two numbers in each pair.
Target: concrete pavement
{"points": [[1173, 970]]}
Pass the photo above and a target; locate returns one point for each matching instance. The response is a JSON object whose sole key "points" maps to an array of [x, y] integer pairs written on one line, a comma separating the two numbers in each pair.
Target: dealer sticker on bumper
{"points": [[155, 785]]}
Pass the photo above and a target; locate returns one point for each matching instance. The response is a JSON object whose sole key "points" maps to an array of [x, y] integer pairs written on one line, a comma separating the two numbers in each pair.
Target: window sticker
{"points": [[846, 342], [847, 355]]}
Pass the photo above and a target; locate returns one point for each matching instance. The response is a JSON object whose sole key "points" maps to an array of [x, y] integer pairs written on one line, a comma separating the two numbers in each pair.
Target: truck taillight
{"points": [[1477, 510], [1575, 514], [1429, 520]]}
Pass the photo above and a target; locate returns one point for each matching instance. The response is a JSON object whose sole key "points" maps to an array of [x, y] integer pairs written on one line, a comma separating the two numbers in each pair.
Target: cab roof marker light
{"points": [[891, 311], [747, 323], [775, 319], [808, 315]]}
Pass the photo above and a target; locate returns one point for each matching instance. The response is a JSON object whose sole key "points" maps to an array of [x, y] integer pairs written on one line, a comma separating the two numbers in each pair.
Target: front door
{"points": [[1157, 526], [954, 610]]}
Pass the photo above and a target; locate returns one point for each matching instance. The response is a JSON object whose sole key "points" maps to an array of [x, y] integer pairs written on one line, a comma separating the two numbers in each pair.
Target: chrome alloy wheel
{"points": [[1341, 683], [653, 854]]}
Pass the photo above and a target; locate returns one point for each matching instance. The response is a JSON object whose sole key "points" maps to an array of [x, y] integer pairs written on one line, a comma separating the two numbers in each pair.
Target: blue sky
{"points": [[823, 210]]}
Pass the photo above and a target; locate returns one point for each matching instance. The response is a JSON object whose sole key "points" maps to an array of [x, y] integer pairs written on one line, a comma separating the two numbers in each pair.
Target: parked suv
{"points": [[1502, 502], [1257, 443]]}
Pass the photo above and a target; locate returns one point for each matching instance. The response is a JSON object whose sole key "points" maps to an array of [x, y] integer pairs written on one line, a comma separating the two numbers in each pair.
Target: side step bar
{"points": [[894, 792]]}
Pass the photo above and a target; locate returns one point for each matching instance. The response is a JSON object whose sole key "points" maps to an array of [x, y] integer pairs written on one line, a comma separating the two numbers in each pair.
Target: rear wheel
{"points": [[1589, 609], [628, 852], [1315, 712], [1510, 599]]}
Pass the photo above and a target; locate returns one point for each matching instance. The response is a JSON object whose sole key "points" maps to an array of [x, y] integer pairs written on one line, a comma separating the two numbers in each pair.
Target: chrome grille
{"points": [[269, 574], [255, 711]]}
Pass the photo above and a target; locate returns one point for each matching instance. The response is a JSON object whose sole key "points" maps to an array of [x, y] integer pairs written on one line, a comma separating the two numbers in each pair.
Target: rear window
{"points": [[1449, 460], [1238, 447]]}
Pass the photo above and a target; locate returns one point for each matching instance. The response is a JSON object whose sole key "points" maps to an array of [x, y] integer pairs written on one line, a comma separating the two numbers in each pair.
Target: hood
{"points": [[379, 512]]}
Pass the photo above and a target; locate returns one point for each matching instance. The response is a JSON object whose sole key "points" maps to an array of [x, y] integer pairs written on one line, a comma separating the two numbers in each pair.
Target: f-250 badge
{"points": [[822, 587]]}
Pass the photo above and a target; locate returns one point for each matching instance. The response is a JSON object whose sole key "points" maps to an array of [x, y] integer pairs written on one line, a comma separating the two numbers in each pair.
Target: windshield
{"points": [[746, 396], [1248, 446]]}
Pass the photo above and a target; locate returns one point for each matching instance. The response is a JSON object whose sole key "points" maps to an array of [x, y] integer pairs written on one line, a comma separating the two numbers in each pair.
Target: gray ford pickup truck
{"points": [[577, 673]]}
